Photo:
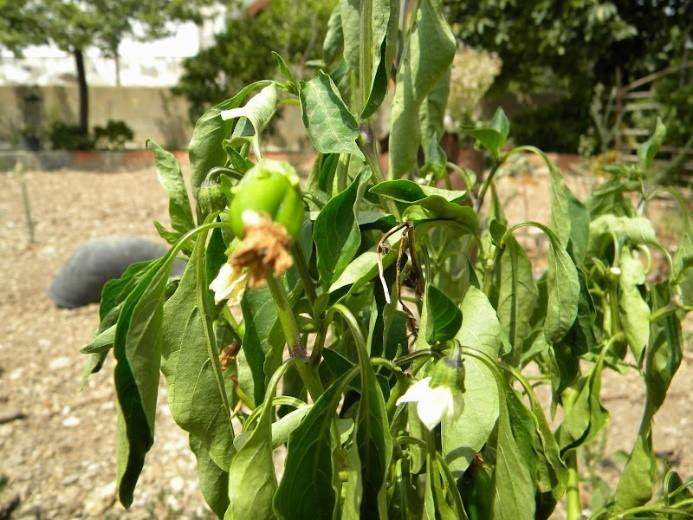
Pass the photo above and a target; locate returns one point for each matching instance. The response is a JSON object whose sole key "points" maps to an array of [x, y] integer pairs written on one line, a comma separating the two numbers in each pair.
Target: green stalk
{"points": [[293, 339], [26, 202], [304, 274], [204, 304], [573, 510]]}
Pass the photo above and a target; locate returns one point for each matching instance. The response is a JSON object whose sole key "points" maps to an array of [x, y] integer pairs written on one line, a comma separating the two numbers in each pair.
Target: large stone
{"points": [[93, 263]]}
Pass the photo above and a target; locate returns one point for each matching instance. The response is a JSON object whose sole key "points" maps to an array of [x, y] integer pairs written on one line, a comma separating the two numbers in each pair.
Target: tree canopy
{"points": [[578, 43], [73, 26], [242, 53]]}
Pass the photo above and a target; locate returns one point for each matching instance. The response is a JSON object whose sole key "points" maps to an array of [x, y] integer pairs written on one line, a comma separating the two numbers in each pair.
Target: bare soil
{"points": [[57, 440]]}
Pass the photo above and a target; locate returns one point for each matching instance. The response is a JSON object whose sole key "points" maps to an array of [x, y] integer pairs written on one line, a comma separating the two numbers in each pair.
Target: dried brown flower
{"points": [[264, 251]]}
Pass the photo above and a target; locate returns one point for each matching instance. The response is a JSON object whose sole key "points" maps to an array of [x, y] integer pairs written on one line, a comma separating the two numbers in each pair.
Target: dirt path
{"points": [[60, 458]]}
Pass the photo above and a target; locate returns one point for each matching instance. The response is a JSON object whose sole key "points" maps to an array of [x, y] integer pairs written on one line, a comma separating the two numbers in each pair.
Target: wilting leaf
{"points": [[517, 294], [330, 125], [336, 231], [211, 479], [258, 111], [205, 149], [171, 178], [648, 150], [309, 461], [426, 59], [252, 481]]}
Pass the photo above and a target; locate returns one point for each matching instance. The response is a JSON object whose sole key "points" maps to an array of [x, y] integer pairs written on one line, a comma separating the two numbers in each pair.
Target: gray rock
{"points": [[93, 263]]}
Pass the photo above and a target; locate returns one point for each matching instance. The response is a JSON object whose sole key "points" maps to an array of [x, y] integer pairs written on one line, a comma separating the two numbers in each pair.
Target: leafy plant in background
{"points": [[113, 136], [66, 136], [382, 328]]}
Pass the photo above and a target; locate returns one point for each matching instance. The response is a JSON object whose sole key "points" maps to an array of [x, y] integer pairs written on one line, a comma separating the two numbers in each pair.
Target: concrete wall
{"points": [[151, 112]]}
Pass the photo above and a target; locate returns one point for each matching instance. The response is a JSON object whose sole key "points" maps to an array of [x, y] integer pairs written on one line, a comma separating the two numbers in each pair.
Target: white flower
{"points": [[229, 284], [432, 402]]}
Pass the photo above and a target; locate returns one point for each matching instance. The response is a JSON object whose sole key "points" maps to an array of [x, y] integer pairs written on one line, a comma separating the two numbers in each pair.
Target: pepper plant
{"points": [[383, 328]]}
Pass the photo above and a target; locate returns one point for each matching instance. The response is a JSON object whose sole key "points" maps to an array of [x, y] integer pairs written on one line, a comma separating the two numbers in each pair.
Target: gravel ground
{"points": [[59, 455]]}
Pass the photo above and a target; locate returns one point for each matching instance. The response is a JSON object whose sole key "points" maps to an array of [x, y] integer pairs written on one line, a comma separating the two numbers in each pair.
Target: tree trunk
{"points": [[116, 60], [83, 93]]}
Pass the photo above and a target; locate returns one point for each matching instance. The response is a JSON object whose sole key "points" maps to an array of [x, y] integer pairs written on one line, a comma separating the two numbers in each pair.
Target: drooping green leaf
{"points": [[102, 342], [196, 395], [364, 25], [514, 477], [585, 416], [211, 479], [663, 358], [334, 39], [113, 295], [561, 223], [666, 351], [634, 311], [138, 357], [563, 289], [252, 482], [648, 150], [406, 191], [463, 436], [205, 148], [330, 125], [171, 178], [427, 57], [633, 230], [373, 435], [637, 480], [480, 326], [492, 136], [517, 294], [579, 228], [445, 316], [336, 231], [309, 461], [258, 111], [351, 30]]}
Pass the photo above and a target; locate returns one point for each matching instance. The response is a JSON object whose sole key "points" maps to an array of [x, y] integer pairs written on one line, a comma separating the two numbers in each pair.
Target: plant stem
{"points": [[293, 339], [204, 305], [304, 274], [573, 509], [26, 202]]}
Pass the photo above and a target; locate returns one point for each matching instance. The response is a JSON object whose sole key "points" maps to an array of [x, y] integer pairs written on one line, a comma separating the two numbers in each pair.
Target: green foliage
{"points": [[395, 345], [567, 50], [242, 53], [113, 136], [65, 136]]}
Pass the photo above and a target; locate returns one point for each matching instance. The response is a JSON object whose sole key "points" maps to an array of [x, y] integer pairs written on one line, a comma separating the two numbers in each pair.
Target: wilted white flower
{"points": [[229, 284], [432, 403]]}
